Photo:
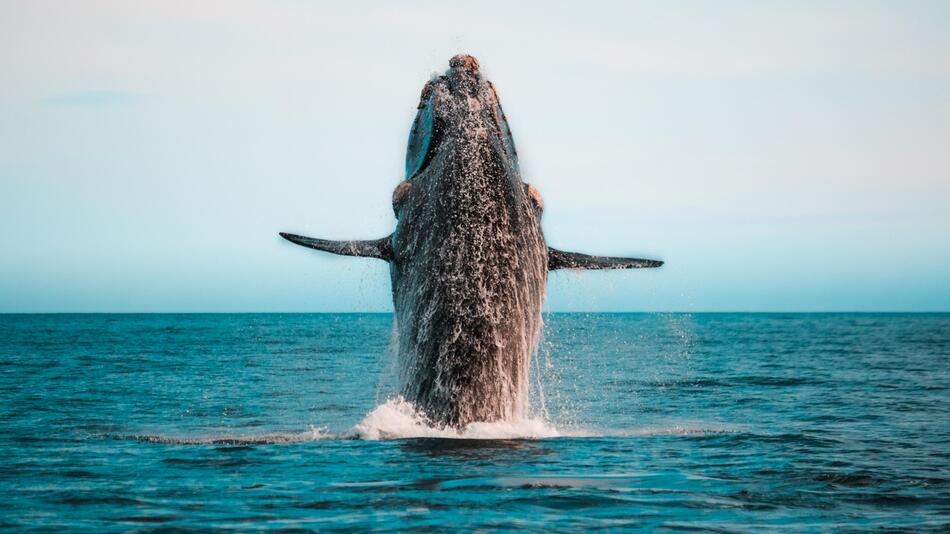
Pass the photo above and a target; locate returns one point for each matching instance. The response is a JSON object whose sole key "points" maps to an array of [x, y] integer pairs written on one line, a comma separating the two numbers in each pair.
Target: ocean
{"points": [[719, 422]]}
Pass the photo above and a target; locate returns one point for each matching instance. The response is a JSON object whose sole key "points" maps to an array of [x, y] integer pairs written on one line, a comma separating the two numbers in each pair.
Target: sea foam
{"points": [[398, 418]]}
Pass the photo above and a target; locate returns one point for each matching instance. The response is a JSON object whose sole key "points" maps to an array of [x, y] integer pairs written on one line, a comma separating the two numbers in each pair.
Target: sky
{"points": [[779, 156]]}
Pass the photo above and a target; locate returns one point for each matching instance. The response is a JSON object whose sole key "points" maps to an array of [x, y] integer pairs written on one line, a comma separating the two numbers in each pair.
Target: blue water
{"points": [[706, 421]]}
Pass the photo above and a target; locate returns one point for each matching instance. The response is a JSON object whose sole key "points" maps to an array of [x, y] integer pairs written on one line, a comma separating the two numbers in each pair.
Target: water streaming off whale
{"points": [[468, 260], [468, 287]]}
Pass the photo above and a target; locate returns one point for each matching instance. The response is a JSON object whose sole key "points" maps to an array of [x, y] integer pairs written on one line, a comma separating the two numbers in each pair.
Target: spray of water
{"points": [[470, 264], [397, 418]]}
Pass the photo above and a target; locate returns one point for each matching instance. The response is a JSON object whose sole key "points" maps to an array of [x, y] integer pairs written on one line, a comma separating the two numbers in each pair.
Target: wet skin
{"points": [[468, 258]]}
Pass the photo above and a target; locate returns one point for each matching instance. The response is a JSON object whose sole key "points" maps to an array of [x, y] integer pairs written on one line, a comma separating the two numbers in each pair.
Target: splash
{"points": [[399, 419]]}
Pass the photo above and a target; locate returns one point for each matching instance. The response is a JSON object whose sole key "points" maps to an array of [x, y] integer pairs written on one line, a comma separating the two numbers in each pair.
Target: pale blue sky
{"points": [[778, 155]]}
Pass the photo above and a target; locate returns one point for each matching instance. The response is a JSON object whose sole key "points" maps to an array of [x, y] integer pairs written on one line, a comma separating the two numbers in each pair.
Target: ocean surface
{"points": [[722, 422]]}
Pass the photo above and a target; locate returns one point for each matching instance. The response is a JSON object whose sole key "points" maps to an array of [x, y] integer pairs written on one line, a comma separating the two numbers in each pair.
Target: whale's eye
{"points": [[399, 195], [534, 195]]}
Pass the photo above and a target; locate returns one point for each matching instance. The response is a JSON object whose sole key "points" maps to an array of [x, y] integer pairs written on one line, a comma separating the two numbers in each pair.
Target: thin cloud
{"points": [[92, 98]]}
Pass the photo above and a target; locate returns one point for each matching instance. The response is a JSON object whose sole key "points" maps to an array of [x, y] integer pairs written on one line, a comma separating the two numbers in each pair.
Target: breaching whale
{"points": [[468, 260]]}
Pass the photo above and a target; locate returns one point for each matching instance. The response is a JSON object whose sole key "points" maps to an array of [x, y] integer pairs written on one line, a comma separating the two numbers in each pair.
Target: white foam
{"points": [[398, 418]]}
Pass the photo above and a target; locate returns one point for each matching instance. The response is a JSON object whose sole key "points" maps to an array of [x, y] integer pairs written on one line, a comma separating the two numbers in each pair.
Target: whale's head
{"points": [[461, 152], [459, 109]]}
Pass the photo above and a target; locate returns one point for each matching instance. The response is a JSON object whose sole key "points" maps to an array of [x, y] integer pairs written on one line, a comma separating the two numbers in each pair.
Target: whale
{"points": [[468, 260]]}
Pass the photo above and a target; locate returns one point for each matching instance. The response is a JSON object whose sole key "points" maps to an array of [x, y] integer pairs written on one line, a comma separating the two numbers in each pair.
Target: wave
{"points": [[250, 439], [399, 419], [677, 429]]}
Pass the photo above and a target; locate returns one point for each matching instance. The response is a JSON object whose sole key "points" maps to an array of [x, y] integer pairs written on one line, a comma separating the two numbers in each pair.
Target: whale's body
{"points": [[468, 259]]}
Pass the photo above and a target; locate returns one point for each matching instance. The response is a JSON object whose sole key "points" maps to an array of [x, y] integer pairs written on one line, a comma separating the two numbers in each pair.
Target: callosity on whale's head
{"points": [[469, 262]]}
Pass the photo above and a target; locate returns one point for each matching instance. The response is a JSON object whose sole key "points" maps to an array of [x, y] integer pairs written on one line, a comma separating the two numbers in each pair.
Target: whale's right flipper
{"points": [[378, 248], [558, 259]]}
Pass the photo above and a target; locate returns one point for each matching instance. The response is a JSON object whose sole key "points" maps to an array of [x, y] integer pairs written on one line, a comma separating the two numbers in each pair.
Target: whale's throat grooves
{"points": [[469, 278]]}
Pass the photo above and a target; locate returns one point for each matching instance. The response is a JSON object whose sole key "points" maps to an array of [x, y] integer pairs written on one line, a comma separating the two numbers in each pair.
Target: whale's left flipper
{"points": [[558, 259], [377, 248]]}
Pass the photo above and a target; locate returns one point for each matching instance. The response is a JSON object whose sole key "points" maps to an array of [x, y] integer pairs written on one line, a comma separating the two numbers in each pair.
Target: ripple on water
{"points": [[724, 422]]}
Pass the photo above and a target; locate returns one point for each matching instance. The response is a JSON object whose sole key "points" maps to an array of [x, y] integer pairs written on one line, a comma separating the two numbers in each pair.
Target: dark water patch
{"points": [[246, 519], [73, 473], [236, 441], [851, 480], [891, 499], [104, 500], [320, 505], [233, 448], [146, 519], [30, 440], [775, 381], [473, 449], [207, 462], [805, 440], [567, 502]]}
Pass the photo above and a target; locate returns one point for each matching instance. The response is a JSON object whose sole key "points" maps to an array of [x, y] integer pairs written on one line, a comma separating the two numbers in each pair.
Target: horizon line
{"points": [[678, 312]]}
